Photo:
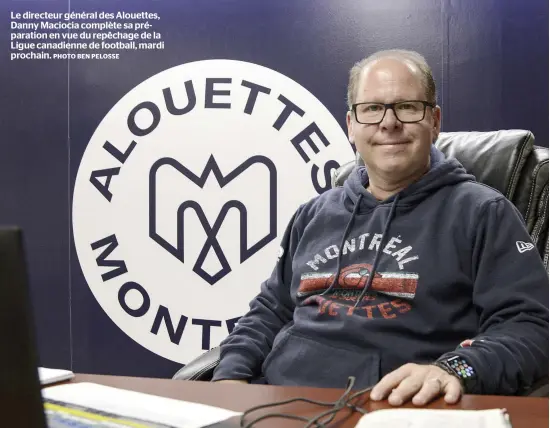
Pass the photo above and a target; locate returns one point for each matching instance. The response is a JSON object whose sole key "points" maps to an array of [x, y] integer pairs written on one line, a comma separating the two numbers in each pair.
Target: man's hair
{"points": [[406, 56]]}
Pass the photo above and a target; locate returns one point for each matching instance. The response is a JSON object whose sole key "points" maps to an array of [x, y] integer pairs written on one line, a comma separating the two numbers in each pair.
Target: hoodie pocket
{"points": [[299, 360]]}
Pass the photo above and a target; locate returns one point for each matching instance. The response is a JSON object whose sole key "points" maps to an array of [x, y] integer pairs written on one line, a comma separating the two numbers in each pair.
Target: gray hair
{"points": [[404, 55]]}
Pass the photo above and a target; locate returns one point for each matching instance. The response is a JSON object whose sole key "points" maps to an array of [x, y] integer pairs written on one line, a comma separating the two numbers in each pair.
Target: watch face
{"points": [[461, 367]]}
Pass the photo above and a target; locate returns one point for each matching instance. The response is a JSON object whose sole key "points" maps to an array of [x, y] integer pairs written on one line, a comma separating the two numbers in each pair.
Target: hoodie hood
{"points": [[442, 172]]}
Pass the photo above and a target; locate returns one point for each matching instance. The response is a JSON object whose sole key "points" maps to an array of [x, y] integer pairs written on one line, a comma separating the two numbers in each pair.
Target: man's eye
{"points": [[372, 108], [407, 106]]}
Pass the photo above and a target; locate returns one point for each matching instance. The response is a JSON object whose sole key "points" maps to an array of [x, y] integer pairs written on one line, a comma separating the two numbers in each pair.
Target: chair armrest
{"points": [[201, 368]]}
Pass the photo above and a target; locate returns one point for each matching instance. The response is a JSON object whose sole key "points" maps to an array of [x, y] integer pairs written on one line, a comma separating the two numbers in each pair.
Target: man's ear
{"points": [[437, 122], [349, 120]]}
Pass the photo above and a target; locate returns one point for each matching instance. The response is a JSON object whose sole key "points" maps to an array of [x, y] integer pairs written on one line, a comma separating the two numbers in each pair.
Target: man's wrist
{"points": [[444, 367], [458, 366], [447, 370]]}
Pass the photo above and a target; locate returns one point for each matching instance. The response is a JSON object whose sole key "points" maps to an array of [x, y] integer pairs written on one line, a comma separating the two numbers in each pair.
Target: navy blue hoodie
{"points": [[364, 286]]}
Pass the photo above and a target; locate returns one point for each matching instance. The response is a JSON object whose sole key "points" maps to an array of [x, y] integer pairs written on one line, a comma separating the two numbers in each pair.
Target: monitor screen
{"points": [[20, 398]]}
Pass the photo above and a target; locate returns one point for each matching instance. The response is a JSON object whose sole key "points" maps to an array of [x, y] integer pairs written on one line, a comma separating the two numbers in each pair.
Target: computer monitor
{"points": [[20, 397]]}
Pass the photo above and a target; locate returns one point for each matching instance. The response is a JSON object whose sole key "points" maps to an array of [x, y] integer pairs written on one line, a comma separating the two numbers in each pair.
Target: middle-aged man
{"points": [[407, 278]]}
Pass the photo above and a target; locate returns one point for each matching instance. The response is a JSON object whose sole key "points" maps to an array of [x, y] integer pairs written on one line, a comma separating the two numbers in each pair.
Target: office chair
{"points": [[507, 160]]}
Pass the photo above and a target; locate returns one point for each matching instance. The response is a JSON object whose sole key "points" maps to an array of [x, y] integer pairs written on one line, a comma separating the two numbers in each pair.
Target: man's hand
{"points": [[232, 381], [421, 382]]}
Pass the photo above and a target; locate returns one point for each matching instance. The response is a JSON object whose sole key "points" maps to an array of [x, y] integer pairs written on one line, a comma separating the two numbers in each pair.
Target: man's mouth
{"points": [[392, 143]]}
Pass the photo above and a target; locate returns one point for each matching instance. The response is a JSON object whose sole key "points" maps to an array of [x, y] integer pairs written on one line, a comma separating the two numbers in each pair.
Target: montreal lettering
{"points": [[163, 317]]}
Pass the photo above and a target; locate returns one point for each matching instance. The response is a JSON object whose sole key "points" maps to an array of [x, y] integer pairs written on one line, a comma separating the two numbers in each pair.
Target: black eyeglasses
{"points": [[405, 111]]}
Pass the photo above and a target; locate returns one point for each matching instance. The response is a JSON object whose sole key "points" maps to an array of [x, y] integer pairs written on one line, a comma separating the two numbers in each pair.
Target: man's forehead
{"points": [[391, 69], [391, 72]]}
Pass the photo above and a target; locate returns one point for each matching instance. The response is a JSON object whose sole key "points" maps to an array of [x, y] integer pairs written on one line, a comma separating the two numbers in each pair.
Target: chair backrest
{"points": [[506, 160]]}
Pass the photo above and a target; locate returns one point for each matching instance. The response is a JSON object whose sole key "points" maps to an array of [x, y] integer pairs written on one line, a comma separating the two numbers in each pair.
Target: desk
{"points": [[524, 412]]}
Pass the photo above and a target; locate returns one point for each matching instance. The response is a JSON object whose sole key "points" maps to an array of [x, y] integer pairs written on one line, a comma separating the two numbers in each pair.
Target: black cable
{"points": [[278, 415], [338, 405], [279, 403], [332, 412], [361, 392], [343, 402]]}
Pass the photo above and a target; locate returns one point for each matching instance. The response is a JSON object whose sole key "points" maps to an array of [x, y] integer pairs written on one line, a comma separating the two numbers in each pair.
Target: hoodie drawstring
{"points": [[339, 259], [379, 251]]}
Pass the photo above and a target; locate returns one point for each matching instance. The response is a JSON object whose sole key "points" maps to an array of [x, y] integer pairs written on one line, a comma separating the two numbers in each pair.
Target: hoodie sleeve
{"points": [[244, 350], [510, 352]]}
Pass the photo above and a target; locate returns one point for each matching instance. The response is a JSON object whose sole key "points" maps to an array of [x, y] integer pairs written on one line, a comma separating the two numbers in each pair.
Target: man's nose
{"points": [[390, 121]]}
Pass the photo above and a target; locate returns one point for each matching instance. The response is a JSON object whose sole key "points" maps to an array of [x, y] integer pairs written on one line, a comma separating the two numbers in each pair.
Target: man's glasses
{"points": [[405, 111]]}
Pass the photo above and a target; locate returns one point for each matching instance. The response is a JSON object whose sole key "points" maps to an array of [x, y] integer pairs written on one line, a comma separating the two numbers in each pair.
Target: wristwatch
{"points": [[457, 366]]}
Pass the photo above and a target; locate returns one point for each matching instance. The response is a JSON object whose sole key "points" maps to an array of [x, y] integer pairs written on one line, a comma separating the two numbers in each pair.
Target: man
{"points": [[408, 277]]}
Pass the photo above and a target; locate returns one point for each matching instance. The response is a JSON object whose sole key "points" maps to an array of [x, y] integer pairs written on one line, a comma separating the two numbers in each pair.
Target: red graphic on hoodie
{"points": [[355, 277]]}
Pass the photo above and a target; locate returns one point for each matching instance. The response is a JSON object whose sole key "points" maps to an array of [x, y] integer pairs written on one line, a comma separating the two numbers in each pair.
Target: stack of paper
{"points": [[89, 404], [49, 376], [428, 418]]}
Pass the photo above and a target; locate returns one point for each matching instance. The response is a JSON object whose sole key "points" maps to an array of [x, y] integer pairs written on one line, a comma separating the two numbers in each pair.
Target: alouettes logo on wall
{"points": [[184, 191]]}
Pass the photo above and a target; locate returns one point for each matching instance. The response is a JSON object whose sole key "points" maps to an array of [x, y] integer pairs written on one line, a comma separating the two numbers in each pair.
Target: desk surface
{"points": [[524, 412]]}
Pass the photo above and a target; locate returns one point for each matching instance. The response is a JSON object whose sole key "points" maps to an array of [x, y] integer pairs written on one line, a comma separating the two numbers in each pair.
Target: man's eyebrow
{"points": [[396, 100]]}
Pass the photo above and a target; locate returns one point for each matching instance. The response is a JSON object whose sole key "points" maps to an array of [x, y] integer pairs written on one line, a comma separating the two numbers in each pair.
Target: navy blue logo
{"points": [[247, 249]]}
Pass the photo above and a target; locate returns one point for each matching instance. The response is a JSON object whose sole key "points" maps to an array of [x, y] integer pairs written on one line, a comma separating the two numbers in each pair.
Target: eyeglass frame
{"points": [[391, 106]]}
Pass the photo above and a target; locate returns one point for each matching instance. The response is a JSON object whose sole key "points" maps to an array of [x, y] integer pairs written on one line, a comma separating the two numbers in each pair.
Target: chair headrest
{"points": [[495, 158]]}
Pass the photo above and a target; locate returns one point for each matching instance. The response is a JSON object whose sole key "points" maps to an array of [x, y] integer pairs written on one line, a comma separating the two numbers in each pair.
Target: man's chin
{"points": [[396, 170], [392, 167]]}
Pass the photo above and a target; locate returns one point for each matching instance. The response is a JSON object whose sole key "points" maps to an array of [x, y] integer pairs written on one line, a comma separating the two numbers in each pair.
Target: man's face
{"points": [[393, 150]]}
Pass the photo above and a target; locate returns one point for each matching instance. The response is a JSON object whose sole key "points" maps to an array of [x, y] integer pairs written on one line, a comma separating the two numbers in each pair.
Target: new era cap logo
{"points": [[524, 246]]}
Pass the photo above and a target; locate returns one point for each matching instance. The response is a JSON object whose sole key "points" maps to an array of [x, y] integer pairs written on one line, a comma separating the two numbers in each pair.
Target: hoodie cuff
{"points": [[234, 366]]}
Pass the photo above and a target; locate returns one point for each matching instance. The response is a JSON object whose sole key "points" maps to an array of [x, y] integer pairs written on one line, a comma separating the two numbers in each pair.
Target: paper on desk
{"points": [[429, 418], [131, 404], [48, 376]]}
